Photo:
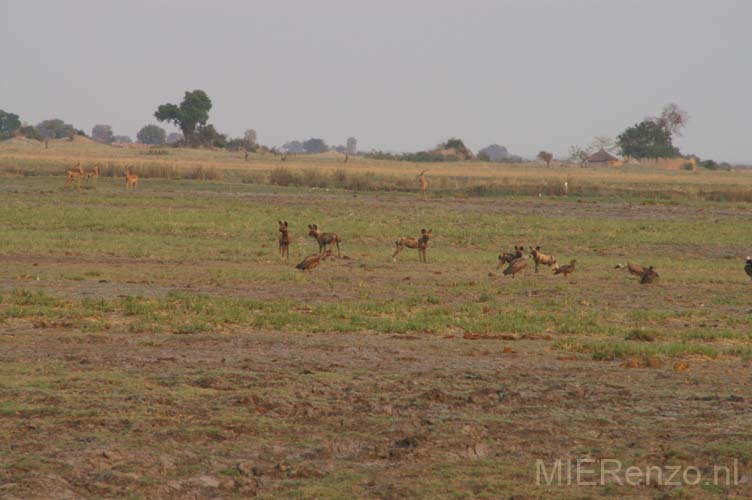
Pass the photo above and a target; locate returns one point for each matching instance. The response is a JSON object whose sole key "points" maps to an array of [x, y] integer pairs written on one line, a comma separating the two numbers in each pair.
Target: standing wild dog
{"points": [[507, 257], [74, 174], [541, 258], [324, 239], [420, 243], [92, 172], [748, 266], [284, 240], [131, 180]]}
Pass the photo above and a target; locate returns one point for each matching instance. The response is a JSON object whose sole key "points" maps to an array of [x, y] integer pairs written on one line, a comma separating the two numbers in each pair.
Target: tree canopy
{"points": [[546, 157], [9, 123], [647, 139], [102, 133], [352, 145], [315, 145], [151, 134], [56, 128], [192, 112]]}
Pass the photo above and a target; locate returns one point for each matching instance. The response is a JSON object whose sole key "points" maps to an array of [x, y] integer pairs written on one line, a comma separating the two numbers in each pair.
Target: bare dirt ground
{"points": [[349, 416]]}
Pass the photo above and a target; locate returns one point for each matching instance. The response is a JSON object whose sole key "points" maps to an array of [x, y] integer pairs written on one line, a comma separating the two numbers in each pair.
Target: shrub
{"points": [[282, 176]]}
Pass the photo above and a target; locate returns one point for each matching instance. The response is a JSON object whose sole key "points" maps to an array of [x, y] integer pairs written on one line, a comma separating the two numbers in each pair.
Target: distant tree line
{"points": [[651, 138]]}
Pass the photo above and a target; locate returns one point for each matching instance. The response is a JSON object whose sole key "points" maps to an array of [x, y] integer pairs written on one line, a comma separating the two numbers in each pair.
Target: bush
{"points": [[282, 176]]}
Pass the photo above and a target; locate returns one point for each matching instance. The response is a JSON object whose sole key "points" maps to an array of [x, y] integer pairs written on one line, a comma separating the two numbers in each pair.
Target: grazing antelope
{"points": [[76, 173], [648, 276], [284, 240], [507, 258], [313, 260], [541, 258], [131, 180], [93, 172], [324, 239], [566, 270], [516, 266], [423, 182], [748, 266], [420, 243]]}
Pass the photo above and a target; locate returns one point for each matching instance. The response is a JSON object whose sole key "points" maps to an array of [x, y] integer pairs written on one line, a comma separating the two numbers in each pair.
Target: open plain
{"points": [[154, 345]]}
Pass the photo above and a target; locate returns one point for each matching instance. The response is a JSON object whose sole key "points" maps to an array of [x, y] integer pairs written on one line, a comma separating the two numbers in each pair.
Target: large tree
{"points": [[672, 118], [249, 139], [315, 145], [293, 147], [56, 128], [151, 134], [546, 157], [102, 133], [494, 152], [647, 139], [192, 112], [352, 145], [9, 123]]}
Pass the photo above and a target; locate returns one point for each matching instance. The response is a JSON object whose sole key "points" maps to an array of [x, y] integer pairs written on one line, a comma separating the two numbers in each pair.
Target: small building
{"points": [[602, 158]]}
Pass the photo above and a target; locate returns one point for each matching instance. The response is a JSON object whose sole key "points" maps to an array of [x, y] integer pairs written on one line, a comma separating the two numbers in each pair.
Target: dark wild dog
{"points": [[507, 258], [324, 239], [284, 240], [566, 270], [648, 276], [420, 243], [516, 266], [313, 260]]}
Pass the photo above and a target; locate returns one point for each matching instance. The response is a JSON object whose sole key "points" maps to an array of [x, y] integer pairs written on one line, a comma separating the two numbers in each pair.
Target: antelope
{"points": [[748, 266], [507, 258], [131, 180], [423, 182], [76, 173], [313, 260], [324, 239], [94, 172], [284, 240], [541, 258], [420, 243], [516, 266], [648, 276], [566, 270]]}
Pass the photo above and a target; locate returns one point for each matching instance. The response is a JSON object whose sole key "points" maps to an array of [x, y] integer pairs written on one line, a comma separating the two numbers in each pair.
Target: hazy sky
{"points": [[398, 75]]}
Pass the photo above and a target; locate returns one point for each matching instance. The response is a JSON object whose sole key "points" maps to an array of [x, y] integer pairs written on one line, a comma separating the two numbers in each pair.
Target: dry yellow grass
{"points": [[481, 178]]}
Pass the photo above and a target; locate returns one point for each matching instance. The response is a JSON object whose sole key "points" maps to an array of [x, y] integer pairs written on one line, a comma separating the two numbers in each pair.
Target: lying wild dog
{"points": [[541, 258], [420, 243], [748, 266], [635, 269], [324, 239], [516, 266], [284, 240], [313, 260], [566, 270], [507, 258], [648, 276]]}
